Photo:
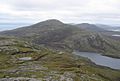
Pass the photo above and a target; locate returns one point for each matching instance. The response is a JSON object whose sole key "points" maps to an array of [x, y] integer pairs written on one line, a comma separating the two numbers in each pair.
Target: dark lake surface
{"points": [[99, 59]]}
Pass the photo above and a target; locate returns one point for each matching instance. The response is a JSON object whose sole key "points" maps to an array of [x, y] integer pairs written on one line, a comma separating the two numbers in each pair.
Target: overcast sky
{"points": [[69, 11]]}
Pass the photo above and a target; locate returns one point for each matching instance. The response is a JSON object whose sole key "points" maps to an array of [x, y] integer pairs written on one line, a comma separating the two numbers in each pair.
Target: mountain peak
{"points": [[51, 22]]}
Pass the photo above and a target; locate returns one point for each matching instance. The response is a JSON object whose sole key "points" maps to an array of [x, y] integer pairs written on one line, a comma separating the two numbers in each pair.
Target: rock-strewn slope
{"points": [[46, 64]]}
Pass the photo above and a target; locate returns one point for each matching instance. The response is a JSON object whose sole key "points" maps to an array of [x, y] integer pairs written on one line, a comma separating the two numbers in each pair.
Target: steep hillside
{"points": [[57, 35], [24, 61], [38, 28]]}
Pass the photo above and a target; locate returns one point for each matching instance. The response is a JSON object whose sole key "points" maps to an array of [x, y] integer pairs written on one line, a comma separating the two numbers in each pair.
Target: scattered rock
{"points": [[25, 58]]}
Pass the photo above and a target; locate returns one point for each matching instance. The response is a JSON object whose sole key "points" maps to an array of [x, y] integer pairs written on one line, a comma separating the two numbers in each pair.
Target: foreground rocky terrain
{"points": [[24, 61]]}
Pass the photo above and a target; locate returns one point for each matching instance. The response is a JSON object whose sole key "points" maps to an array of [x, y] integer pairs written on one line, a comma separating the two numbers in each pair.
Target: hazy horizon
{"points": [[10, 26]]}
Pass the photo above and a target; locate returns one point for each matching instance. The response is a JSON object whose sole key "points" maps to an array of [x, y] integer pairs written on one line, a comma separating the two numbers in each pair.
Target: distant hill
{"points": [[90, 27], [60, 36]]}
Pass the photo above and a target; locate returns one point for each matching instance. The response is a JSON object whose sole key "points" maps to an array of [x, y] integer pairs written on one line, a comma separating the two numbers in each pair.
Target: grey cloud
{"points": [[66, 10], [39, 5]]}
